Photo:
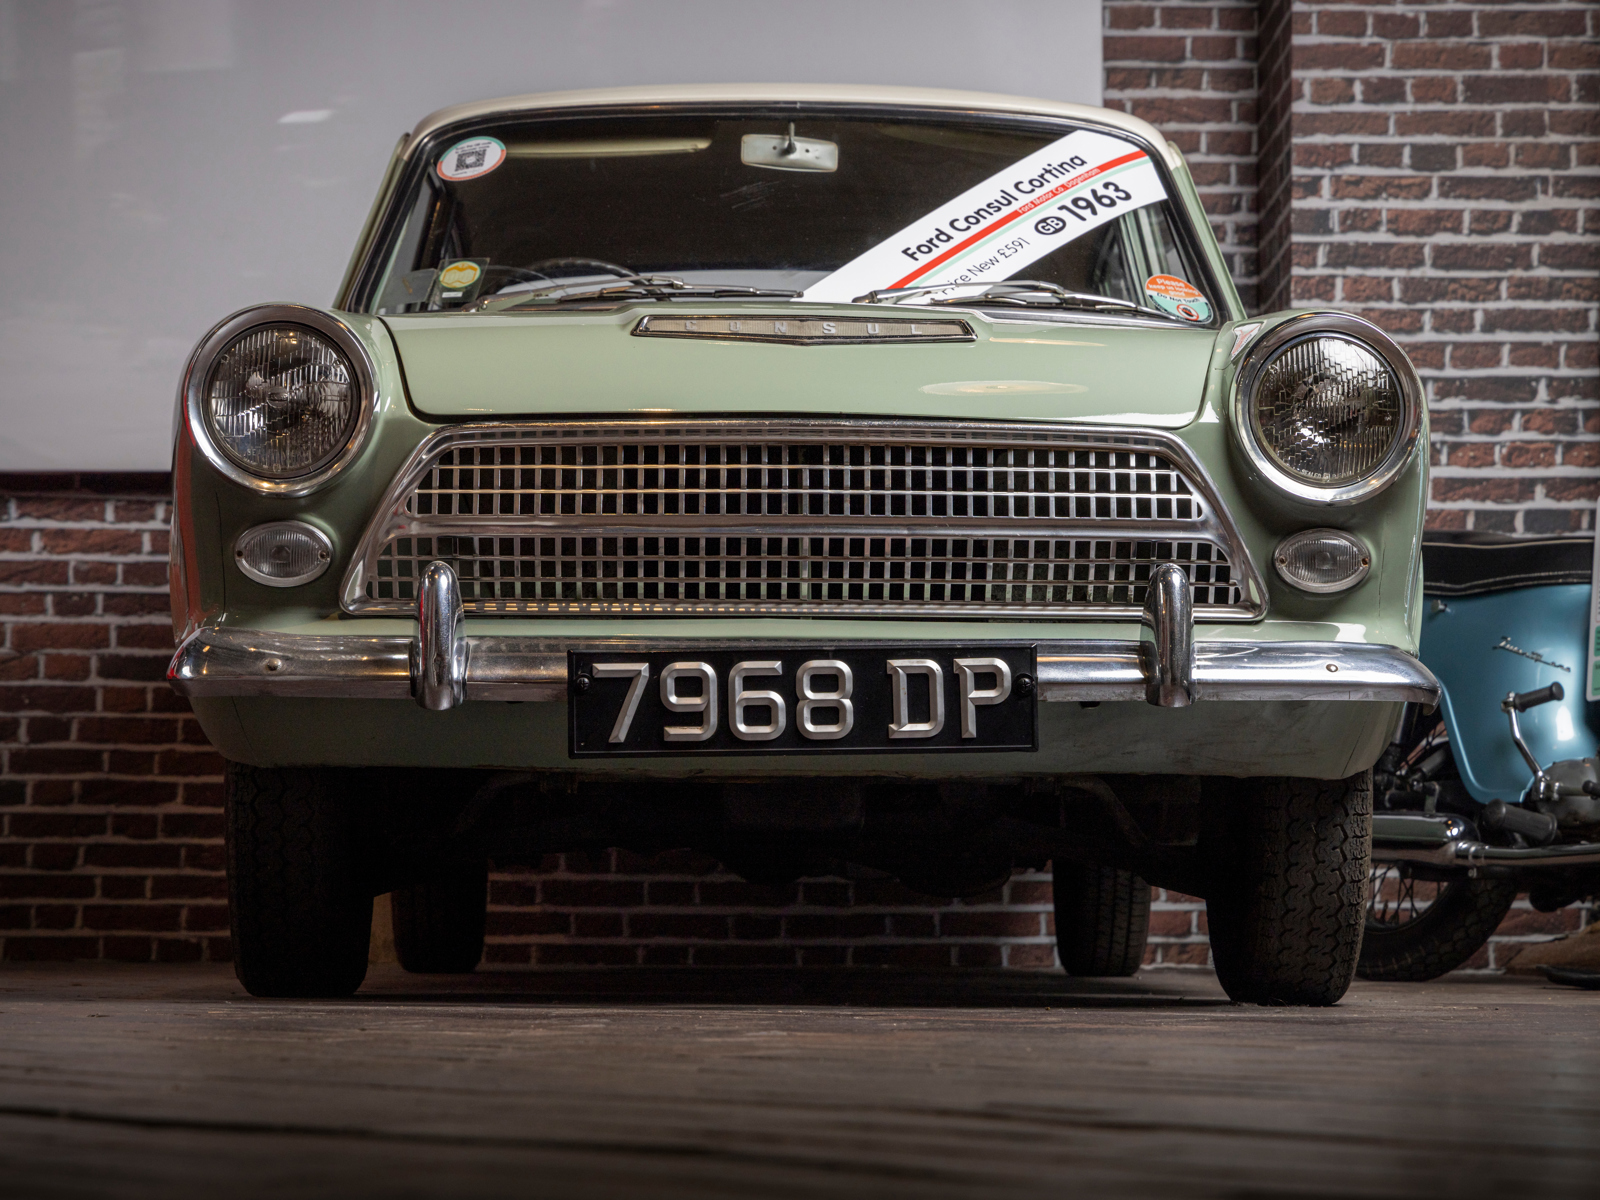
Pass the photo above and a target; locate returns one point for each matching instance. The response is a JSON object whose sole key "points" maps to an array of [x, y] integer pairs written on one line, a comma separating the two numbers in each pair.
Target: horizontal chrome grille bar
{"points": [[802, 517]]}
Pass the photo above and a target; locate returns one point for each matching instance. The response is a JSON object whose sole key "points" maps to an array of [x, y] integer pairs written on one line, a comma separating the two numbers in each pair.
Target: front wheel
{"points": [[300, 915], [1287, 903], [1417, 930]]}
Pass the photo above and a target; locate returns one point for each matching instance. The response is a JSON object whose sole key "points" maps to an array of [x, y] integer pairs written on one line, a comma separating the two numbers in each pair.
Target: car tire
{"points": [[1102, 919], [439, 923], [1462, 917], [301, 919], [1286, 905]]}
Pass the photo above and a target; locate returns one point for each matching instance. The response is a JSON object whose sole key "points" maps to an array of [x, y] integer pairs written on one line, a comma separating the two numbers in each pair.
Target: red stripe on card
{"points": [[1026, 208]]}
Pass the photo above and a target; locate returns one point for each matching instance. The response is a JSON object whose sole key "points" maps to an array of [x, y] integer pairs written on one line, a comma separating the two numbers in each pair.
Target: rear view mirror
{"points": [[785, 152]]}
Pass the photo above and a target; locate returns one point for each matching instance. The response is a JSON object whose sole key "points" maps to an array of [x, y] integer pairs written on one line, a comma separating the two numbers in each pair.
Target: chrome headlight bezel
{"points": [[198, 373], [1280, 338]]}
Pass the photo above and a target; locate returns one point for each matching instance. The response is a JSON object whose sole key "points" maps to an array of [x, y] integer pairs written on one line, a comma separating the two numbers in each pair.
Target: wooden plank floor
{"points": [[170, 1081]]}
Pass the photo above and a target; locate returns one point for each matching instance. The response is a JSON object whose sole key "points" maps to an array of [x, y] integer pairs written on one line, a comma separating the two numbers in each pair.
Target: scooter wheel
{"points": [[1417, 930]]}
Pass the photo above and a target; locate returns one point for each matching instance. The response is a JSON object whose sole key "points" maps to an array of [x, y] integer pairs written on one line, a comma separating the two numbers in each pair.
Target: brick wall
{"points": [[1445, 178], [110, 799], [110, 805], [682, 909]]}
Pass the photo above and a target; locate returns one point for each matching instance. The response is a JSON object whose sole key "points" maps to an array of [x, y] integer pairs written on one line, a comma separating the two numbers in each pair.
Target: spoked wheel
{"points": [[1417, 929]]}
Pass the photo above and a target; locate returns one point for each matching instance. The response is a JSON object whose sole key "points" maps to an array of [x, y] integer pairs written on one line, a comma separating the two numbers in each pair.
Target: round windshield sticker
{"points": [[459, 275], [471, 158], [1178, 297]]}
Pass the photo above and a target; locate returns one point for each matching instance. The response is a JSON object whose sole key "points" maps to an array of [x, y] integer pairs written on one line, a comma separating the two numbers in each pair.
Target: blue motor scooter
{"points": [[1467, 813]]}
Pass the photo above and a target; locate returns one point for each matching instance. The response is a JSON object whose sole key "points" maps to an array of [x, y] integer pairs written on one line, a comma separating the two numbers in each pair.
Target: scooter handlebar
{"points": [[1523, 701]]}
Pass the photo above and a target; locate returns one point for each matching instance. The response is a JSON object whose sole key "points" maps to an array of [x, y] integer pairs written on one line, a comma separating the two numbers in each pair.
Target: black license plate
{"points": [[802, 700]]}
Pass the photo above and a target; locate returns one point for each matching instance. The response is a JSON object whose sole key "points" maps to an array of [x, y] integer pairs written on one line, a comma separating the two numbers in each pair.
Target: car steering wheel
{"points": [[590, 266]]}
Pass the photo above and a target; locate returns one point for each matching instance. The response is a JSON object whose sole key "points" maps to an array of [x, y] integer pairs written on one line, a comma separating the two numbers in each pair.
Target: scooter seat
{"points": [[1460, 563]]}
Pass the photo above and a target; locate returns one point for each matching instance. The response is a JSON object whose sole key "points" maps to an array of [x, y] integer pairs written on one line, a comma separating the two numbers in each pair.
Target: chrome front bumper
{"points": [[253, 662], [442, 666]]}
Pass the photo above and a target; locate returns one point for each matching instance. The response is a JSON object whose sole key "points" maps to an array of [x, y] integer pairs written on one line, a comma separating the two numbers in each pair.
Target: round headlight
{"points": [[281, 401], [1328, 407], [1322, 560]]}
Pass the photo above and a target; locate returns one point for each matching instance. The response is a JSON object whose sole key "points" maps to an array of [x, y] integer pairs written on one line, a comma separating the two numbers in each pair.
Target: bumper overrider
{"points": [[442, 667]]}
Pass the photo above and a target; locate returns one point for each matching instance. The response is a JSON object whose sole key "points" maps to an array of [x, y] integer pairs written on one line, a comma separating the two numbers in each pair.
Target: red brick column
{"points": [[1189, 68], [1444, 164]]}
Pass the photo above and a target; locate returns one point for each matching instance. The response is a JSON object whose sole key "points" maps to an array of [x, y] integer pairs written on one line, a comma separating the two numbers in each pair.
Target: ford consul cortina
{"points": [[851, 481]]}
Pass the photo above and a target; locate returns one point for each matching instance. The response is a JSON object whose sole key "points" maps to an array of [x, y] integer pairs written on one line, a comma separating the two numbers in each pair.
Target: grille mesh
{"points": [[818, 479], [563, 521], [677, 571]]}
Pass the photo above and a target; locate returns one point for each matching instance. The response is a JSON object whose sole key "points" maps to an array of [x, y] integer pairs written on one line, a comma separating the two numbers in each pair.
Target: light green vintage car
{"points": [[835, 480]]}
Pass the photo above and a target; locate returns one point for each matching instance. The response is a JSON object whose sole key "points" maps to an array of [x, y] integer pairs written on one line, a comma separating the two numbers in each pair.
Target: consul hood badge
{"points": [[807, 331]]}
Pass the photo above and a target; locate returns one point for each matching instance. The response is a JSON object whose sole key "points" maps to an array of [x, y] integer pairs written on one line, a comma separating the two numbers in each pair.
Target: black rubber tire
{"points": [[1286, 907], [1461, 919], [1102, 919], [438, 924], [301, 919]]}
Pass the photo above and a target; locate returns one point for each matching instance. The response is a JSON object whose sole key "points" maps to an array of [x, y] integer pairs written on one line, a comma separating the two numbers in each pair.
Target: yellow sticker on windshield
{"points": [[460, 275], [459, 281]]}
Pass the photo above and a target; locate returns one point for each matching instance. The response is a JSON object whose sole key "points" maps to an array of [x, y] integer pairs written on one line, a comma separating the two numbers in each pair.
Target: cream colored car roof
{"points": [[800, 93]]}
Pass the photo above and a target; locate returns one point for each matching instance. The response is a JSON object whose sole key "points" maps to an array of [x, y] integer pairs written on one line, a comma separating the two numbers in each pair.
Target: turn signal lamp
{"points": [[283, 553], [1322, 561]]}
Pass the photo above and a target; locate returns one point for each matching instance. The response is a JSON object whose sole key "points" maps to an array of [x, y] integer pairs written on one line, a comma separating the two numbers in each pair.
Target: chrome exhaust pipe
{"points": [[1441, 840]]}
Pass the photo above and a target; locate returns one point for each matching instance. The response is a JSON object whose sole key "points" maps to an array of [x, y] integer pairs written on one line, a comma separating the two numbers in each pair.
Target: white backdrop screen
{"points": [[170, 161]]}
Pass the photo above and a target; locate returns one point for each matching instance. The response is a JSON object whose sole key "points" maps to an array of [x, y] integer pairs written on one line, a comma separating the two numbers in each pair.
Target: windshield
{"points": [[817, 207]]}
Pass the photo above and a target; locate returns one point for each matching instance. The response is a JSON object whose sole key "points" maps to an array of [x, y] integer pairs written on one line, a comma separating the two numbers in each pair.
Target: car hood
{"points": [[483, 366]]}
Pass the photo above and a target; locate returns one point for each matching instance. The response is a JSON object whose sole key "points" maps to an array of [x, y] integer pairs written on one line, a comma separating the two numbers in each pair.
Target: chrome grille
{"points": [[819, 479], [837, 570], [755, 517]]}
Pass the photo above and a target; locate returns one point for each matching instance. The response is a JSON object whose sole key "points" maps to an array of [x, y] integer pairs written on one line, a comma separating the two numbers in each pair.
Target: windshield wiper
{"points": [[654, 287], [1024, 293]]}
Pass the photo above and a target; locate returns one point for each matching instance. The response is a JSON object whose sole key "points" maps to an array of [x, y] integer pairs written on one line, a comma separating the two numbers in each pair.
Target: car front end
{"points": [[818, 476]]}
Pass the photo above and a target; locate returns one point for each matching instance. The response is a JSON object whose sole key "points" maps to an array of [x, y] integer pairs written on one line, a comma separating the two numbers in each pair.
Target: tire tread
{"points": [[1288, 911], [1102, 919], [300, 922], [1453, 929]]}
